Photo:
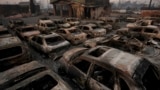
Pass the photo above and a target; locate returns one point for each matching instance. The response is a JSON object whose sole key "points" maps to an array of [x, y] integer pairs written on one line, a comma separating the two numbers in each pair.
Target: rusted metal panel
{"points": [[31, 75], [74, 35], [26, 32], [51, 44], [120, 64], [13, 53]]}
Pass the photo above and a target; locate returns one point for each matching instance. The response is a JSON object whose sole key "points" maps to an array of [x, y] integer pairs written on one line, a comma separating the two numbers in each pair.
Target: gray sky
{"points": [[16, 1], [44, 2]]}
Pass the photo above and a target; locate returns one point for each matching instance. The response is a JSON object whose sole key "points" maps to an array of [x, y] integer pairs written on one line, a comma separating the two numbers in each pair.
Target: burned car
{"points": [[102, 24], [31, 76], [140, 45], [106, 68], [15, 23], [131, 19], [43, 19], [25, 32], [92, 30], [113, 21], [51, 44], [46, 26], [74, 35], [150, 31], [4, 32], [72, 21], [61, 24], [128, 44], [12, 53], [93, 42], [140, 23]]}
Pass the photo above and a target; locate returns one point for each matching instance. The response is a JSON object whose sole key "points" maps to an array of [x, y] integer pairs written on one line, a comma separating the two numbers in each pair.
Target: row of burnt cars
{"points": [[55, 37], [20, 71], [124, 60]]}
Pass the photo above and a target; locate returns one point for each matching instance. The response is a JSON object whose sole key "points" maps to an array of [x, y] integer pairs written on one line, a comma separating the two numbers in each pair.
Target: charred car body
{"points": [[52, 44], [102, 24], [12, 53], [46, 26], [26, 32], [74, 35], [16, 23], [140, 23], [4, 32], [61, 23], [93, 42], [109, 68], [31, 76], [72, 21], [92, 30], [150, 31]]}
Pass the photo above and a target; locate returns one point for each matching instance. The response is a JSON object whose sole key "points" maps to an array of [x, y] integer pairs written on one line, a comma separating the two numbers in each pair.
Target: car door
{"points": [[101, 79], [37, 43], [78, 71], [123, 85], [150, 32]]}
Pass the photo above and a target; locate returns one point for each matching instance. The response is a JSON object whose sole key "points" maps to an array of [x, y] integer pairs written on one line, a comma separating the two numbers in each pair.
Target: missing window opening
{"points": [[44, 83], [9, 52], [98, 52], [83, 65], [150, 80]]}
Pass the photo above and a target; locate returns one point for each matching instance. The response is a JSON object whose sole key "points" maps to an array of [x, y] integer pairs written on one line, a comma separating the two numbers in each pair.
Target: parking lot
{"points": [[87, 54]]}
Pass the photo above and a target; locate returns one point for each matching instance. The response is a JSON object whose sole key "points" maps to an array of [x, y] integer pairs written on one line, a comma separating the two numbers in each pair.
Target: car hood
{"points": [[131, 25], [61, 44], [99, 30], [9, 41], [50, 28], [31, 33], [78, 34], [74, 22], [95, 39], [67, 55], [65, 25]]}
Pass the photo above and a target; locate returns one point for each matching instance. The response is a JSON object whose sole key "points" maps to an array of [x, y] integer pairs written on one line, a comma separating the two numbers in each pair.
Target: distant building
{"points": [[152, 12], [21, 8], [81, 8]]}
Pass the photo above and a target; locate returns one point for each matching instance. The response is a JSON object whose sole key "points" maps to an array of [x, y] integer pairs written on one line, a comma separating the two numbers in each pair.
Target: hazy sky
{"points": [[16, 1], [44, 2]]}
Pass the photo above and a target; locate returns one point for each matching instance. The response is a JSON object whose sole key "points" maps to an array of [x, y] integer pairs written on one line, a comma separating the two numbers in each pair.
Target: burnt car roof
{"points": [[67, 55], [90, 24], [114, 57], [48, 35], [118, 59], [71, 28], [9, 41], [123, 61], [149, 26], [27, 26]]}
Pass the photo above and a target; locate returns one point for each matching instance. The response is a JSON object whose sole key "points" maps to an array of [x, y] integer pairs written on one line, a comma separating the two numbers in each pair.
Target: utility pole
{"points": [[119, 4], [150, 3]]}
